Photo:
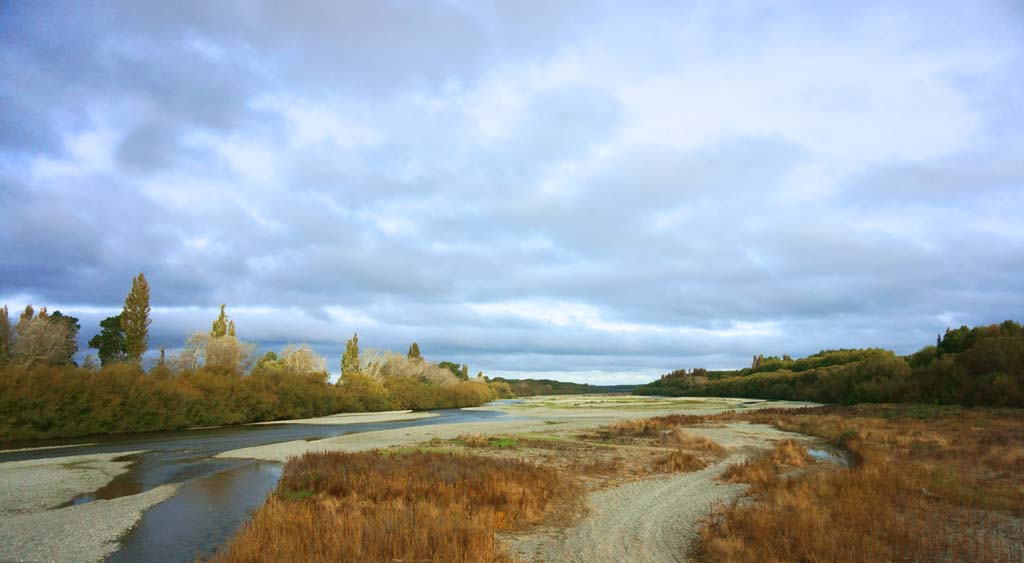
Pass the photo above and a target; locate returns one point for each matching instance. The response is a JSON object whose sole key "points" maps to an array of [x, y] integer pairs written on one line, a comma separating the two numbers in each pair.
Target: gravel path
{"points": [[653, 520]]}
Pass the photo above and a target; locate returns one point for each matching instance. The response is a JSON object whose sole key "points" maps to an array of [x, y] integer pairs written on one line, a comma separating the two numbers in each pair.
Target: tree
{"points": [[414, 352], [293, 360], [267, 363], [73, 327], [464, 374], [135, 319], [453, 367], [39, 339], [26, 316], [5, 336], [226, 354], [220, 326], [350, 360], [109, 343]]}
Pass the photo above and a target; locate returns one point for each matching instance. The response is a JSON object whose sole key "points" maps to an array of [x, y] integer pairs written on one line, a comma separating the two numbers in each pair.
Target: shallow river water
{"points": [[216, 495]]}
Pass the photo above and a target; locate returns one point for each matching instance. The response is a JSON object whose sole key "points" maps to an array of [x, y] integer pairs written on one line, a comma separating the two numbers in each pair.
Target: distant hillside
{"points": [[534, 387], [969, 366]]}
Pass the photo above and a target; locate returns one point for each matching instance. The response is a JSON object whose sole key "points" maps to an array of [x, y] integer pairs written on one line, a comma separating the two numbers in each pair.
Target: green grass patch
{"points": [[296, 495], [502, 442]]}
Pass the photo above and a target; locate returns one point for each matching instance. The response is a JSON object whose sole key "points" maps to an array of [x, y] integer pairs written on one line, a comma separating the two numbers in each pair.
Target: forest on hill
{"points": [[983, 365], [535, 387]]}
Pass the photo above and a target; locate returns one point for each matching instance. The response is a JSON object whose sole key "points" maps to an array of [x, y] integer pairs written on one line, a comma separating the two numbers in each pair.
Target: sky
{"points": [[592, 191]]}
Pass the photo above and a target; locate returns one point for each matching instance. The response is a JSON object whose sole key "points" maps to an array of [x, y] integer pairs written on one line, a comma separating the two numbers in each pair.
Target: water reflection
{"points": [[829, 456], [202, 514]]}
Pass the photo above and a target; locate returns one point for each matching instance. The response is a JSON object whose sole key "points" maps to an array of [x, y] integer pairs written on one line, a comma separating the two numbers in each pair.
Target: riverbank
{"points": [[42, 484], [633, 489], [34, 526], [845, 484], [356, 418], [36, 532], [925, 483], [534, 414]]}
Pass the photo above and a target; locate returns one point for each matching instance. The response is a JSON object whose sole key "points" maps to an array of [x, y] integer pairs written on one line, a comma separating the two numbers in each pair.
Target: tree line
{"points": [[983, 365], [215, 379], [535, 387]]}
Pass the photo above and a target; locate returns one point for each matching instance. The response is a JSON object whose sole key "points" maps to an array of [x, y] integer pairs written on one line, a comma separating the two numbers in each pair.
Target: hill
{"points": [[983, 365], [534, 387]]}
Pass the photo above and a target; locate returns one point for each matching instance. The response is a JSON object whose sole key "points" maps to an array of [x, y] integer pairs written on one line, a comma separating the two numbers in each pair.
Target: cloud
{"points": [[554, 188]]}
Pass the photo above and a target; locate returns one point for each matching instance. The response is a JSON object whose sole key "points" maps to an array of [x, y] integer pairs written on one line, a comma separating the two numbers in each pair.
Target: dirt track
{"points": [[654, 520]]}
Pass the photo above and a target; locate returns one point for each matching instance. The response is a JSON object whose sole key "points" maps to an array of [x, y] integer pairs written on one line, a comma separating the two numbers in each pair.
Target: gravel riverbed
{"points": [[32, 528]]}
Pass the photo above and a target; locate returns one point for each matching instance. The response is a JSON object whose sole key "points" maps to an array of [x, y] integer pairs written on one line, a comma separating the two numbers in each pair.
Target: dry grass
{"points": [[768, 466], [677, 437], [679, 461], [396, 507], [924, 485], [600, 458], [941, 484], [647, 427]]}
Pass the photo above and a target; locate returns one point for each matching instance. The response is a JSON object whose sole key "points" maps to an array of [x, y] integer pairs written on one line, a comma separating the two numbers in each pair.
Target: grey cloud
{"points": [[411, 217]]}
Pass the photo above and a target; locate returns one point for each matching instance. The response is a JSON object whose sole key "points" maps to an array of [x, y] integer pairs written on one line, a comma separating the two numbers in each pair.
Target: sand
{"points": [[547, 413], [41, 448]]}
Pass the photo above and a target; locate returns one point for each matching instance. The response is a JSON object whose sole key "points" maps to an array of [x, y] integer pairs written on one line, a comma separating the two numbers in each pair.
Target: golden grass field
{"points": [[922, 484]]}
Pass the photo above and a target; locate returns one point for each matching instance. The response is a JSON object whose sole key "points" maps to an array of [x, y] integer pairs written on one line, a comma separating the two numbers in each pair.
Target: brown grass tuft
{"points": [[677, 437], [473, 440], [679, 461], [412, 506], [651, 427], [765, 467]]}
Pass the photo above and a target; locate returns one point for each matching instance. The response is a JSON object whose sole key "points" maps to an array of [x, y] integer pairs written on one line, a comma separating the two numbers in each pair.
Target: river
{"points": [[216, 495]]}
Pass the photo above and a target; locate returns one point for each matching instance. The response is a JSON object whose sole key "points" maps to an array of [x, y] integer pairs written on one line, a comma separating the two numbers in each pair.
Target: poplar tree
{"points": [[414, 352], [135, 319], [5, 336], [220, 326], [26, 316], [350, 360], [465, 373]]}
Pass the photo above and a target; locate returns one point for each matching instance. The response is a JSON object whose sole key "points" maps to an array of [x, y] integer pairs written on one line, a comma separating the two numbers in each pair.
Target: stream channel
{"points": [[216, 495]]}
